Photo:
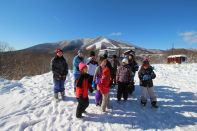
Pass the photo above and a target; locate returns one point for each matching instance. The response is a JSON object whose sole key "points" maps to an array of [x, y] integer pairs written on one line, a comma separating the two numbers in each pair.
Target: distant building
{"points": [[118, 51], [109, 52], [176, 59]]}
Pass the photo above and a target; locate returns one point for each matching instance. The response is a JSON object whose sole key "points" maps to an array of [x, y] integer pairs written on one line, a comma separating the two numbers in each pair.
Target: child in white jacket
{"points": [[92, 65]]}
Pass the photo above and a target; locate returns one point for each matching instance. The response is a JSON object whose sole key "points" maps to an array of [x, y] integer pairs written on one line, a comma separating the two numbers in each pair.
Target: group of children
{"points": [[83, 85], [92, 76], [102, 79]]}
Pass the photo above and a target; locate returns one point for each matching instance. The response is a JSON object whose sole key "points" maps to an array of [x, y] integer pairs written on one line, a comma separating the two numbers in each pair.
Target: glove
{"points": [[64, 77], [146, 77], [93, 85]]}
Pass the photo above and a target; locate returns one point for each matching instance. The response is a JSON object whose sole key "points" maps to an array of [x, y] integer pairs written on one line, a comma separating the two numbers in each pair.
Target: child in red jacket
{"points": [[104, 87], [82, 87]]}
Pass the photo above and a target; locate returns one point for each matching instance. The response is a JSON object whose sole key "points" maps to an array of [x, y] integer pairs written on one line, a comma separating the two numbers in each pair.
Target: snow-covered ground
{"points": [[28, 105]]}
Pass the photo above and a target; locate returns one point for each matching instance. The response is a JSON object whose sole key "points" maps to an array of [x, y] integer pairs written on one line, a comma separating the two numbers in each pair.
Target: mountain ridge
{"points": [[97, 43]]}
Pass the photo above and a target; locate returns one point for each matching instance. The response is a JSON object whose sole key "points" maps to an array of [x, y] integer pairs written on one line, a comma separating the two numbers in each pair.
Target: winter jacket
{"points": [[115, 63], [82, 86], [97, 74], [123, 74], [77, 59], [104, 84], [148, 72], [134, 66], [92, 64], [59, 68]]}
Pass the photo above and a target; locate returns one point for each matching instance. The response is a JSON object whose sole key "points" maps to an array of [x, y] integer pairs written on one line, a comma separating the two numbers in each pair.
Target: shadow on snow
{"points": [[170, 114]]}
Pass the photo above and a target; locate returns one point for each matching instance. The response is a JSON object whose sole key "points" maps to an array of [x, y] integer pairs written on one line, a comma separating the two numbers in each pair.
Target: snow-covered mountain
{"points": [[28, 105], [103, 43], [87, 44]]}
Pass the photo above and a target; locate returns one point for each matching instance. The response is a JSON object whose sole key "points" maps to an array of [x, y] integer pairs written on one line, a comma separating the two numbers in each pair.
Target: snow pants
{"points": [[145, 91], [122, 91], [58, 86], [105, 102], [83, 103], [98, 97]]}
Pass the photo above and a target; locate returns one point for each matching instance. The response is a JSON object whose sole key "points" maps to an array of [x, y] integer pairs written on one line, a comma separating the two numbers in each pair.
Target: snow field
{"points": [[28, 105]]}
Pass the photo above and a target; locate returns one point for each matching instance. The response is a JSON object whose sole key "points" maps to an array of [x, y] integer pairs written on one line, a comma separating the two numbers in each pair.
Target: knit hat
{"points": [[146, 62], [58, 50], [82, 66], [125, 60]]}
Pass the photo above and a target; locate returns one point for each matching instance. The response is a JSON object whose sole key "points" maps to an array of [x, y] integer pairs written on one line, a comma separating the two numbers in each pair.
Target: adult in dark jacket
{"points": [[146, 74], [115, 63], [59, 68], [134, 67], [77, 59]]}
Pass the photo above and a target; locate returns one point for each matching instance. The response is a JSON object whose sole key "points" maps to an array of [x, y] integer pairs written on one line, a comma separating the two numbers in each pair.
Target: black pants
{"points": [[83, 103], [90, 79], [131, 87], [122, 91], [113, 77]]}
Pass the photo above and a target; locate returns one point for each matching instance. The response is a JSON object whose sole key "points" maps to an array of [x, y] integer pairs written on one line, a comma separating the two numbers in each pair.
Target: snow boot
{"points": [[154, 104], [56, 96], [143, 103], [63, 95]]}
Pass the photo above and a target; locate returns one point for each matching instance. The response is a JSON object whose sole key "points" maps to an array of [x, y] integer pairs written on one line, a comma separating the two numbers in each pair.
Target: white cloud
{"points": [[189, 37], [116, 34]]}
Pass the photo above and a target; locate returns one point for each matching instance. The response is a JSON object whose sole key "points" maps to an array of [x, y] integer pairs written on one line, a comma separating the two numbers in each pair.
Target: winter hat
{"points": [[125, 60], [80, 51], [146, 62], [82, 66], [92, 53], [58, 50]]}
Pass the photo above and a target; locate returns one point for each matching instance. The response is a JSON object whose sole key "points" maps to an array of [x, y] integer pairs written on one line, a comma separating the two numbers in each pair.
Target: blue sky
{"points": [[146, 23]]}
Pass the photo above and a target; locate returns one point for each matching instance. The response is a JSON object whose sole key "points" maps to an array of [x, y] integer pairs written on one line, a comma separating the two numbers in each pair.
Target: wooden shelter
{"points": [[176, 59]]}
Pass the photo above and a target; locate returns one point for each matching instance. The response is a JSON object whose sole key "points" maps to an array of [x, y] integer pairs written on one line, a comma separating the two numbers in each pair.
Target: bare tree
{"points": [[5, 50]]}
